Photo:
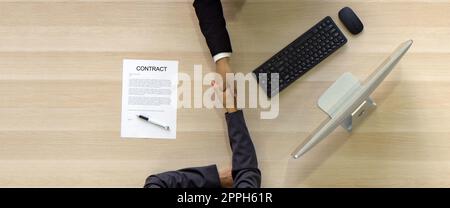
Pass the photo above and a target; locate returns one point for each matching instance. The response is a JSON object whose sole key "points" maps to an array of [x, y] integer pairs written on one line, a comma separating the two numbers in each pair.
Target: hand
{"points": [[226, 178], [227, 97]]}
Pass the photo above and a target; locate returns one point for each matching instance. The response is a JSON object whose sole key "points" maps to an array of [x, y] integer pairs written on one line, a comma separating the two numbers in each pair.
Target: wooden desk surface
{"points": [[60, 87]]}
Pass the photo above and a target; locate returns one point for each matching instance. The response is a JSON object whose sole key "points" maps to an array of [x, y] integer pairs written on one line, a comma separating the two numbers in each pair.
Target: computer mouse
{"points": [[351, 20]]}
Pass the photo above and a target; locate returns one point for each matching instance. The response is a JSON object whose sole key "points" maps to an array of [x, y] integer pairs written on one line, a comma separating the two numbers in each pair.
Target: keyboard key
{"points": [[329, 27], [278, 64]]}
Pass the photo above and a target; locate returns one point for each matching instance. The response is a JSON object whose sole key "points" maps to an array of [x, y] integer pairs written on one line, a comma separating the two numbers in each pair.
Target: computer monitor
{"points": [[347, 100]]}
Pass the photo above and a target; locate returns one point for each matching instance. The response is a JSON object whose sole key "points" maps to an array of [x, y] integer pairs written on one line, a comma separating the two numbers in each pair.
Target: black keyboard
{"points": [[300, 56]]}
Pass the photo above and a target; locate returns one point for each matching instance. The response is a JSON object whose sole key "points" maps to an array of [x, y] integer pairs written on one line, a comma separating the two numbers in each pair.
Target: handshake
{"points": [[224, 92]]}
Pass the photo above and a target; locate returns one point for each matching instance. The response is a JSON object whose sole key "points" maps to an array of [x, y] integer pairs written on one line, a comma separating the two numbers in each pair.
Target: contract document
{"points": [[149, 99]]}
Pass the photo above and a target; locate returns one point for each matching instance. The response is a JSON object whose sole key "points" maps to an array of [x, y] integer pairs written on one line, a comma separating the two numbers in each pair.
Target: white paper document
{"points": [[149, 89]]}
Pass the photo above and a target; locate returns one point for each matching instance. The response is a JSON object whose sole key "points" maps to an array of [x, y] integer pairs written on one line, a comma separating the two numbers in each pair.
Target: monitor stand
{"points": [[336, 95]]}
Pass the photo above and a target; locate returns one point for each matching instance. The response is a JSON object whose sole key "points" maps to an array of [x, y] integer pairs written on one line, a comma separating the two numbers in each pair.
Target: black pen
{"points": [[154, 122]]}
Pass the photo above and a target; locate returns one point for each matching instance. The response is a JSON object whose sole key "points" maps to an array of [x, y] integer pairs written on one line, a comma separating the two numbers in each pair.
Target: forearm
{"points": [[213, 25], [245, 164]]}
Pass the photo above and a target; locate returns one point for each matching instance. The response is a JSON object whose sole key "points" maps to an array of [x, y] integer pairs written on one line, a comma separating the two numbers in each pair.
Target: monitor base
{"points": [[338, 93]]}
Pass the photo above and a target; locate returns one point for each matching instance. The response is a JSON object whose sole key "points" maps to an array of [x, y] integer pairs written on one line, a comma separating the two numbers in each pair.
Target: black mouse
{"points": [[351, 20]]}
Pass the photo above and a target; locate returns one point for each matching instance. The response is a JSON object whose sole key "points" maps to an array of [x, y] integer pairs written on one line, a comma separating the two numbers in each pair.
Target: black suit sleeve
{"points": [[245, 164], [199, 177], [213, 25]]}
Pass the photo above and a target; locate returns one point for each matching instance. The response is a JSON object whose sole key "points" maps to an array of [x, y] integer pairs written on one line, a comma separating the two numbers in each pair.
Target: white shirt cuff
{"points": [[221, 56]]}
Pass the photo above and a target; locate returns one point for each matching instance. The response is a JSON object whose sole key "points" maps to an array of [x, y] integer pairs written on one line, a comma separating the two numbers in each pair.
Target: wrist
{"points": [[223, 62], [231, 110]]}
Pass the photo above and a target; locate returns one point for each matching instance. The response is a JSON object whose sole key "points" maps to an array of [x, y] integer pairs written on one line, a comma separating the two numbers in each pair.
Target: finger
{"points": [[228, 98], [218, 92]]}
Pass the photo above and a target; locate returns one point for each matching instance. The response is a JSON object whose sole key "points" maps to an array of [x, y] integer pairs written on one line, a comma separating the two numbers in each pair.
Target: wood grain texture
{"points": [[60, 87]]}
